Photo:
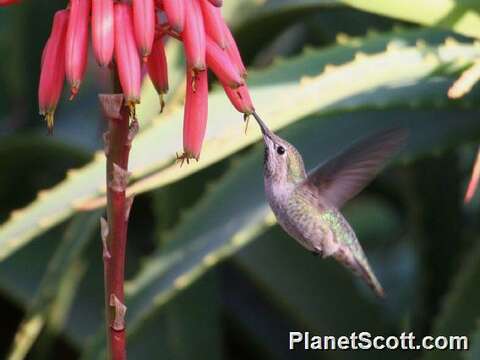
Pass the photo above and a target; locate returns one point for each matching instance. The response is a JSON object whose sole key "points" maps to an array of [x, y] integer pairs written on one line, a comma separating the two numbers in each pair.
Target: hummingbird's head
{"points": [[282, 162]]}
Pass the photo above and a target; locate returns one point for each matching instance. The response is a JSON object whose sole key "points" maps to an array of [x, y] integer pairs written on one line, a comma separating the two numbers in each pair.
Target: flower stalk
{"points": [[118, 139]]}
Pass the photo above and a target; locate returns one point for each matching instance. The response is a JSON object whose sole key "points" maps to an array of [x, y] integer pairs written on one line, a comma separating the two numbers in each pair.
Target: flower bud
{"points": [[194, 37], [126, 54], [157, 68], [219, 62], [175, 12], [473, 183], [233, 52], [102, 31], [213, 20], [76, 46], [144, 25], [195, 114], [52, 73], [240, 99]]}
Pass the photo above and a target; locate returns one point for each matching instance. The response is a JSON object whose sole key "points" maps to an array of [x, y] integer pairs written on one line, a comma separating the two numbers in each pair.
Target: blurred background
{"points": [[210, 274]]}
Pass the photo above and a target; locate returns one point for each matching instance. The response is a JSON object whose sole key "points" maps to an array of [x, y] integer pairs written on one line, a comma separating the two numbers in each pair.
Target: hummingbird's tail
{"points": [[360, 267]]}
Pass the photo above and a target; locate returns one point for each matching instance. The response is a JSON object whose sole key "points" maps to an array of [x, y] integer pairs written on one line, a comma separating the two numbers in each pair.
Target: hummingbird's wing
{"points": [[344, 176]]}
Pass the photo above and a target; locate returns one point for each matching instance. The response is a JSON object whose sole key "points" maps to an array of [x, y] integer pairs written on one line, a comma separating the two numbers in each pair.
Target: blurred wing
{"points": [[344, 176]]}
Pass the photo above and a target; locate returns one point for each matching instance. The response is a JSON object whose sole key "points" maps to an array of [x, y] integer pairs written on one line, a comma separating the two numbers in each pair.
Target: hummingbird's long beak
{"points": [[265, 130]]}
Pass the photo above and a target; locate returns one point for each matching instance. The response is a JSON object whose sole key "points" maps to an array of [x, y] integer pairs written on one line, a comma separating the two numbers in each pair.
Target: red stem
{"points": [[114, 233]]}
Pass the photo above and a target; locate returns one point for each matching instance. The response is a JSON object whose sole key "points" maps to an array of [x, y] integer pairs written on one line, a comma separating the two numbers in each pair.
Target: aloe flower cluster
{"points": [[8, 2], [131, 36]]}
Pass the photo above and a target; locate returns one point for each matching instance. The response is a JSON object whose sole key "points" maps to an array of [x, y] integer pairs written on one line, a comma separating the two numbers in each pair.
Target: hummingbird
{"points": [[307, 205]]}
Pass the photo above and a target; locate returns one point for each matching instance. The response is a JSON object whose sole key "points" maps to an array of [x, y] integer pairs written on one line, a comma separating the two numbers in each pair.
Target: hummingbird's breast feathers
{"points": [[317, 225], [297, 214]]}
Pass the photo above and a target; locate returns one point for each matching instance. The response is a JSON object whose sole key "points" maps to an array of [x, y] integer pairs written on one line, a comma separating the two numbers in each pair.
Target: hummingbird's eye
{"points": [[280, 150]]}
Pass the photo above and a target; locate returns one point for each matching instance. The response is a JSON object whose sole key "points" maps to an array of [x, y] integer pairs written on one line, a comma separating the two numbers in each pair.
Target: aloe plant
{"points": [[209, 274]]}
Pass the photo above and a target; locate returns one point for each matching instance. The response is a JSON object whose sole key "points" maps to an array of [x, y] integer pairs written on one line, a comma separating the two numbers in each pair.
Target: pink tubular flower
{"points": [[473, 183], [175, 12], [45, 47], [195, 115], [144, 25], [157, 69], [8, 2], [194, 37], [233, 52], [76, 46], [102, 31], [219, 62], [212, 17], [240, 99], [217, 3], [126, 54], [126, 31], [52, 74]]}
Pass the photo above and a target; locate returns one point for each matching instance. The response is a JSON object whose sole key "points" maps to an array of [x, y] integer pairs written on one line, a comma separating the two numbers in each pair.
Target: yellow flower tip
{"points": [[186, 156], [246, 119], [182, 158], [162, 103], [131, 103], [49, 118]]}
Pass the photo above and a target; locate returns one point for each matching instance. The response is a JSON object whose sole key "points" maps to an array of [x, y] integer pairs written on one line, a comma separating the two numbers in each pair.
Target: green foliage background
{"points": [[210, 274]]}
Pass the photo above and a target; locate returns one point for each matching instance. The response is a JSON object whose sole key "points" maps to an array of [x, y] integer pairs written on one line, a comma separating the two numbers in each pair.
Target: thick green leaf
{"points": [[50, 302], [300, 86], [30, 163], [319, 296], [244, 13], [150, 108], [200, 241], [299, 92], [187, 328], [460, 313], [474, 352], [462, 16]]}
